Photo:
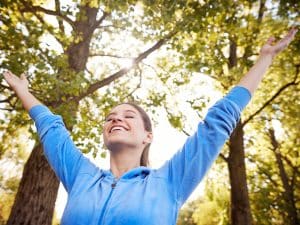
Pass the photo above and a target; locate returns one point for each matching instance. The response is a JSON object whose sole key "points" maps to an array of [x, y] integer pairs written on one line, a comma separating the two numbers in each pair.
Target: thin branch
{"points": [[88, 71], [268, 176], [5, 87], [269, 101], [185, 132], [217, 79], [7, 100], [111, 25], [60, 22], [5, 109], [31, 8], [97, 24], [289, 162], [222, 156], [94, 87], [42, 21], [137, 86], [109, 55]]}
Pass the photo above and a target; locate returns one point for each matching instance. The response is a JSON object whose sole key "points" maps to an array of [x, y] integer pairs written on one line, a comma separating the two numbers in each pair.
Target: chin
{"points": [[118, 145]]}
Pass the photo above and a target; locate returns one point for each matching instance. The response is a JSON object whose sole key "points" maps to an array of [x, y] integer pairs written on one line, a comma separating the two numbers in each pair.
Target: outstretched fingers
{"points": [[23, 76], [14, 81], [286, 40], [9, 76]]}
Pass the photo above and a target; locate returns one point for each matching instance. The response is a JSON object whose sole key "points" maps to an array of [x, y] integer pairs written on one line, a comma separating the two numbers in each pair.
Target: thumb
{"points": [[23, 76], [270, 40]]}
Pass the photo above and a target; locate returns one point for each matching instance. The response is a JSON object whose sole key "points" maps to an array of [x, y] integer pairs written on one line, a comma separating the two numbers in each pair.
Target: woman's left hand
{"points": [[271, 49]]}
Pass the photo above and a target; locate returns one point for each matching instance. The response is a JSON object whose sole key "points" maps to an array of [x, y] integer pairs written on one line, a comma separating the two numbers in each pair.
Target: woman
{"points": [[131, 193]]}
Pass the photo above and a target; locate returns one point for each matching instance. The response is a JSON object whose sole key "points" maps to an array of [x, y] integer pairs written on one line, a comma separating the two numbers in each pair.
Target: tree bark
{"points": [[38, 188], [36, 196], [240, 206], [288, 193]]}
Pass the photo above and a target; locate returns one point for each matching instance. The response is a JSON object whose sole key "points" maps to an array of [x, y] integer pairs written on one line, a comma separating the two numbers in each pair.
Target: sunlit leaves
{"points": [[205, 30]]}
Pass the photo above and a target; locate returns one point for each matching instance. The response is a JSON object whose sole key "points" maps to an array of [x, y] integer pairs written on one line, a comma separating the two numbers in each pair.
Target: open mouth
{"points": [[117, 128]]}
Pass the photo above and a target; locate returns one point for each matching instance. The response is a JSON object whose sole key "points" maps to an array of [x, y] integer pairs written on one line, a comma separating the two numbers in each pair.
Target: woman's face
{"points": [[124, 128]]}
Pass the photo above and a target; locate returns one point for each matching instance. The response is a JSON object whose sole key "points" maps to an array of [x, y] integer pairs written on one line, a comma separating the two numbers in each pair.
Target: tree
{"points": [[225, 51]]}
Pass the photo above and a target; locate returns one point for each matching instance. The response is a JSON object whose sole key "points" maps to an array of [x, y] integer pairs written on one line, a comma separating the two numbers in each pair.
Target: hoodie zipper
{"points": [[113, 185]]}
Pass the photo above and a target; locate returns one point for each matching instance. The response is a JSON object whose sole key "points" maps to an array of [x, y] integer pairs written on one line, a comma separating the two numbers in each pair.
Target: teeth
{"points": [[117, 128]]}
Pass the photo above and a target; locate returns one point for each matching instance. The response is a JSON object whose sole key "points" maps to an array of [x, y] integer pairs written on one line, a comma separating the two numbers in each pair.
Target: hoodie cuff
{"points": [[240, 96], [38, 110]]}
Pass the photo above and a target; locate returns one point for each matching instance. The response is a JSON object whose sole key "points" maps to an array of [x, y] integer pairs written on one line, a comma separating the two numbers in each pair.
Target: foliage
{"points": [[277, 96], [203, 33], [213, 207]]}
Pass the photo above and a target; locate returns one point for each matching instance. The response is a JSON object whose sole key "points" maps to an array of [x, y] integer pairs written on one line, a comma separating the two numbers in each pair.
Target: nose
{"points": [[116, 118]]}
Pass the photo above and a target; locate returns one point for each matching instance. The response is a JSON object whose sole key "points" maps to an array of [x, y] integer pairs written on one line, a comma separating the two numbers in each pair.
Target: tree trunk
{"points": [[38, 188], [36, 196], [288, 193], [240, 206], [35, 200]]}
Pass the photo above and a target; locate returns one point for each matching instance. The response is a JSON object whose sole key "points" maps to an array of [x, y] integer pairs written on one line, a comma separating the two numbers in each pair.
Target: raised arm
{"points": [[63, 156], [20, 86], [188, 166], [252, 79]]}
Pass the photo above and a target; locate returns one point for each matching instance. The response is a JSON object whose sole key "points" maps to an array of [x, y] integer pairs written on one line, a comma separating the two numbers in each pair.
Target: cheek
{"points": [[104, 131]]}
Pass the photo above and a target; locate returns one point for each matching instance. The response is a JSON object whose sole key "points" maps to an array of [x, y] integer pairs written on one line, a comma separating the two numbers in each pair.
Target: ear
{"points": [[148, 138]]}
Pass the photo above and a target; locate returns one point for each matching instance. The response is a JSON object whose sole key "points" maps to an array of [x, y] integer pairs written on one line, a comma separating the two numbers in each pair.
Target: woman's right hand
{"points": [[18, 84]]}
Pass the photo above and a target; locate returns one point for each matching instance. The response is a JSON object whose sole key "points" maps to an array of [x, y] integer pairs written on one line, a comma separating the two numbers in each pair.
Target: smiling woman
{"points": [[130, 192], [127, 129]]}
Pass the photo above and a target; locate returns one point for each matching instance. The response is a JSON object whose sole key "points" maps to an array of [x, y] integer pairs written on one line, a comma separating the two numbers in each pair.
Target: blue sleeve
{"points": [[187, 167], [63, 156]]}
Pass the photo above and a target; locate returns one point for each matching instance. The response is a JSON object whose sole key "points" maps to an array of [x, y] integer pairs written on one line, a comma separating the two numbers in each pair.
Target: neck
{"points": [[123, 161]]}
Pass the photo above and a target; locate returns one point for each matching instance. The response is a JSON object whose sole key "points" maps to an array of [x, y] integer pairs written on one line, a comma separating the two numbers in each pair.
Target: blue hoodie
{"points": [[142, 196]]}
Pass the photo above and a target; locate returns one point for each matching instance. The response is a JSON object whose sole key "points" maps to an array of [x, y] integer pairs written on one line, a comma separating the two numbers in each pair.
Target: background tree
{"points": [[225, 51]]}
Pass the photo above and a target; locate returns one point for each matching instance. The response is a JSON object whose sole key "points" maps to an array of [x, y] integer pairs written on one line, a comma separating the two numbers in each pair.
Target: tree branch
{"points": [[94, 87], [5, 109], [97, 24], [185, 132], [60, 22], [269, 101], [223, 157], [289, 162], [7, 100], [109, 55], [4, 86], [137, 86], [31, 8]]}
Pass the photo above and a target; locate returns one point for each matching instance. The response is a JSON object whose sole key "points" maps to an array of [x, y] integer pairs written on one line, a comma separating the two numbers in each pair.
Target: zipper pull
{"points": [[114, 184]]}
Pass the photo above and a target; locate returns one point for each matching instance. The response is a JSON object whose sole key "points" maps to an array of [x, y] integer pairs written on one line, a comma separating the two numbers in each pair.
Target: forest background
{"points": [[173, 57]]}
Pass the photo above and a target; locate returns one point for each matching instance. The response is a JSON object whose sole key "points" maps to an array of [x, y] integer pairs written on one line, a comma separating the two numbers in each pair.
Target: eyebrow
{"points": [[128, 110]]}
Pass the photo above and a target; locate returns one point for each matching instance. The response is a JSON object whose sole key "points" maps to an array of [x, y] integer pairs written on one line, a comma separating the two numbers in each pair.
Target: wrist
{"points": [[266, 58], [21, 91]]}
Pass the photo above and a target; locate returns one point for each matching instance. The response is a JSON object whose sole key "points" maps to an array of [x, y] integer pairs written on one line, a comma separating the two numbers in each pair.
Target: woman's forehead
{"points": [[124, 108]]}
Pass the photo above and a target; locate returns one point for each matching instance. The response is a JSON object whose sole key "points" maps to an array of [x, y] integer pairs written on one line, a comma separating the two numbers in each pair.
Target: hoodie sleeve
{"points": [[63, 156], [187, 167]]}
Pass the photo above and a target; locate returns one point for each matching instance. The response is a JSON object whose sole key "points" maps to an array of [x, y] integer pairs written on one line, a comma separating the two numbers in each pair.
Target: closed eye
{"points": [[108, 119], [130, 117]]}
